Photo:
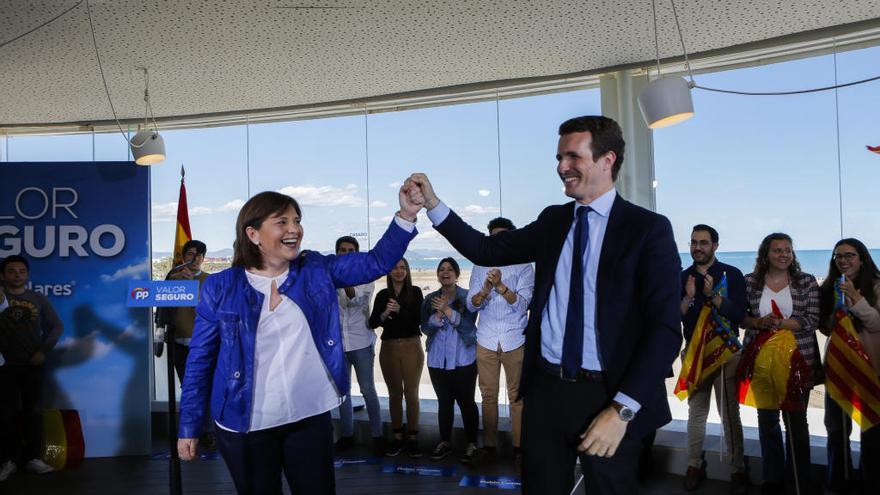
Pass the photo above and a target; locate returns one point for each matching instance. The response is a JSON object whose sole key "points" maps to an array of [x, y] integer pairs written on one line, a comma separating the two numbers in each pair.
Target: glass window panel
{"points": [[57, 148], [859, 107], [216, 185], [456, 146], [322, 164], [529, 134], [751, 165]]}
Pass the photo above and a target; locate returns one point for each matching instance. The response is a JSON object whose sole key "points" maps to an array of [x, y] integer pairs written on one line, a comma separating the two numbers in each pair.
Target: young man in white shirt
{"points": [[501, 296], [359, 341]]}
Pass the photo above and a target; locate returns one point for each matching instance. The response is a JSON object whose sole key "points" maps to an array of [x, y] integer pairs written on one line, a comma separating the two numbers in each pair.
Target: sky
{"points": [[746, 165]]}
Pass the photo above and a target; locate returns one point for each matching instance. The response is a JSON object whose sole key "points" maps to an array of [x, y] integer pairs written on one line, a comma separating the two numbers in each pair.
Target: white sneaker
{"points": [[7, 470], [37, 466]]}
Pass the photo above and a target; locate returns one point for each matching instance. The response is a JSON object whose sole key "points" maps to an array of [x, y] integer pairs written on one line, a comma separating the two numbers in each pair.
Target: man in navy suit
{"points": [[604, 326]]}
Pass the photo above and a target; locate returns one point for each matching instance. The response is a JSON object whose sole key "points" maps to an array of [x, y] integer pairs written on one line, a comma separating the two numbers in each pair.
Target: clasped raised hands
{"points": [[416, 193]]}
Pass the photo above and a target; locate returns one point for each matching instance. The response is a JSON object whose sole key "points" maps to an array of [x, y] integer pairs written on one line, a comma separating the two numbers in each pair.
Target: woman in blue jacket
{"points": [[267, 345], [452, 356]]}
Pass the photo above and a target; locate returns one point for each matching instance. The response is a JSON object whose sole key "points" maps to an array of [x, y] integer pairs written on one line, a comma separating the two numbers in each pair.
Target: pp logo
{"points": [[140, 293]]}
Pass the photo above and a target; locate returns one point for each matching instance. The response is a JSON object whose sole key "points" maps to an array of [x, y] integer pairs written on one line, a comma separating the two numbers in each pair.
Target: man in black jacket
{"points": [[604, 326]]}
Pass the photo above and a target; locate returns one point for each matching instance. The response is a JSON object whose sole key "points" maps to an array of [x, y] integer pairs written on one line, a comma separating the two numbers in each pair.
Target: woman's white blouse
{"points": [[291, 381], [782, 298]]}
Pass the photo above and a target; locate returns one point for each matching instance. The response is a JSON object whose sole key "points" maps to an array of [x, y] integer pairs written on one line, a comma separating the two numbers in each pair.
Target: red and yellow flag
{"points": [[712, 344], [182, 234], [63, 444], [772, 372], [850, 378]]}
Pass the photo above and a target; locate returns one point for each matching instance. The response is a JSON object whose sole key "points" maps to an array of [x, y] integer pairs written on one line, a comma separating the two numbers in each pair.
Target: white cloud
{"points": [[129, 271], [233, 205], [310, 195], [200, 210], [164, 211], [479, 210], [167, 212], [394, 185], [484, 192], [378, 204]]}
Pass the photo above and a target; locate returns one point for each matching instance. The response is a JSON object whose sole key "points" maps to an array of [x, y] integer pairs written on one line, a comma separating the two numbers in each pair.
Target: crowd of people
{"points": [[778, 295], [585, 309]]}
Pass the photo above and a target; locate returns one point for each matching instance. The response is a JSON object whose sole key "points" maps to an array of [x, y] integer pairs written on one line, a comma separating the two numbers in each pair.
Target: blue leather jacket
{"points": [[221, 357]]}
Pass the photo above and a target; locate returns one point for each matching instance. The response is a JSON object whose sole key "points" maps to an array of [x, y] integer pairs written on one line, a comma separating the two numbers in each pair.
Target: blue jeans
{"points": [[362, 360], [778, 458]]}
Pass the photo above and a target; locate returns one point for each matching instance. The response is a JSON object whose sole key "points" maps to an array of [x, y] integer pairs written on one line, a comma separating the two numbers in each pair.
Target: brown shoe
{"points": [[739, 483], [694, 477]]}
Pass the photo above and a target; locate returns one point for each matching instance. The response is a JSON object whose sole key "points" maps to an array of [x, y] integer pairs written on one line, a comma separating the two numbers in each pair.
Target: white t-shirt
{"points": [[354, 313], [782, 298]]}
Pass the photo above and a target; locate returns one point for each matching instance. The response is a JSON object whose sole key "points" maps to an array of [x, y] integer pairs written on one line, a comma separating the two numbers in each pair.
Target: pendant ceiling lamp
{"points": [[147, 146], [666, 100]]}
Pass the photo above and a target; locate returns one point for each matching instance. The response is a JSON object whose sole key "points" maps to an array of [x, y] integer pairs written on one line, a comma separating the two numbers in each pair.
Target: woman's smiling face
{"points": [[279, 237]]}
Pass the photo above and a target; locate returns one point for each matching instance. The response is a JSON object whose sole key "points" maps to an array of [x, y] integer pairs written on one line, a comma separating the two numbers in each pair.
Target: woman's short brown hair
{"points": [[257, 209]]}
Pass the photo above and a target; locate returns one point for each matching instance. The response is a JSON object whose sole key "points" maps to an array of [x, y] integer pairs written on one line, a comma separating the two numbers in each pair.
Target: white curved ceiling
{"points": [[214, 56]]}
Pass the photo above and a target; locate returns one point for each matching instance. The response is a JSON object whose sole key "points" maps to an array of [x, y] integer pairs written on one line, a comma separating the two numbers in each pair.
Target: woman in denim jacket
{"points": [[452, 356], [267, 352]]}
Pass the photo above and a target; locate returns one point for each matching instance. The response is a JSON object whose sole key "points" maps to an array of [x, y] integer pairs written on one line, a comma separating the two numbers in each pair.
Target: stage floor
{"points": [[149, 476]]}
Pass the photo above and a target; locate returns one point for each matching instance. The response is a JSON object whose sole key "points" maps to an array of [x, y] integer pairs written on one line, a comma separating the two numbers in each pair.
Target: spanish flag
{"points": [[63, 444], [711, 345], [182, 234], [850, 378], [772, 372]]}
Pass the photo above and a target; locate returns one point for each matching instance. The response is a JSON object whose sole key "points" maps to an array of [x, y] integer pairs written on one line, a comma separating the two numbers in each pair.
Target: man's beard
{"points": [[707, 259]]}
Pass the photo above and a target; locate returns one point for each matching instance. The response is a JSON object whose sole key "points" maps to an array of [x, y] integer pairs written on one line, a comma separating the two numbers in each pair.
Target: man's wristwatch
{"points": [[623, 412]]}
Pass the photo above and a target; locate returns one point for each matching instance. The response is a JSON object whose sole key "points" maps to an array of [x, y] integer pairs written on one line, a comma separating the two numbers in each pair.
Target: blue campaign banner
{"points": [[162, 293], [84, 228], [418, 470], [502, 482]]}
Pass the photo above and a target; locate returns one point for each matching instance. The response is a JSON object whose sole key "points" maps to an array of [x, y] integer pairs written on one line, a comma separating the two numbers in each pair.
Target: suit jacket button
{"points": [[236, 375], [331, 342]]}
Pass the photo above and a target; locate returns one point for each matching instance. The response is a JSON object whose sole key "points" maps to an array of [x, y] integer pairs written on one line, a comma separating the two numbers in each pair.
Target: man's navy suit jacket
{"points": [[638, 323]]}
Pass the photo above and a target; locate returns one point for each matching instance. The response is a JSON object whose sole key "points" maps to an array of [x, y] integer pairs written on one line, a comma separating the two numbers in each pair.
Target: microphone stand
{"points": [[175, 482]]}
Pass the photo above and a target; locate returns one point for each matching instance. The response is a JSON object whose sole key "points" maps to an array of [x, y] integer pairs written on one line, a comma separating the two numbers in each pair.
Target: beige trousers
{"points": [[489, 364]]}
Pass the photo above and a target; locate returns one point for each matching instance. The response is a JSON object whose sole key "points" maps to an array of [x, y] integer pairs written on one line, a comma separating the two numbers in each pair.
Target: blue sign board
{"points": [[162, 293], [84, 227]]}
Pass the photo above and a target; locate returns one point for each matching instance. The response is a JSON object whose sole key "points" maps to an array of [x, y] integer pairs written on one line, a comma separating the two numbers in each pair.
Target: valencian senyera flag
{"points": [[713, 342], [182, 233], [772, 372], [850, 378]]}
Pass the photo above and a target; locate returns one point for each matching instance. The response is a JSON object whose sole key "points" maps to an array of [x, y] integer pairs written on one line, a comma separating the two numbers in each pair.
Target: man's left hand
{"points": [[708, 286], [604, 434]]}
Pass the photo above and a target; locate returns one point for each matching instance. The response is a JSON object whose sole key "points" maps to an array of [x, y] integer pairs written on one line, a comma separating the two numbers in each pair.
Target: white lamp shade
{"points": [[666, 101], [148, 148]]}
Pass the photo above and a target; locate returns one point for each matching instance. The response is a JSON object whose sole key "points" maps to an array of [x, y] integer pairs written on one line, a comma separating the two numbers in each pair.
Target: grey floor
{"points": [[143, 475]]}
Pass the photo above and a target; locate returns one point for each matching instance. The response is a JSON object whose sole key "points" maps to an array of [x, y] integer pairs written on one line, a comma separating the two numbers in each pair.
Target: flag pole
{"points": [[722, 413], [797, 483], [844, 419]]}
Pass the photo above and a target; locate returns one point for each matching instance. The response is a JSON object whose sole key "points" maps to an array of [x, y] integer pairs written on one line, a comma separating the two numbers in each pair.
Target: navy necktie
{"points": [[573, 341]]}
